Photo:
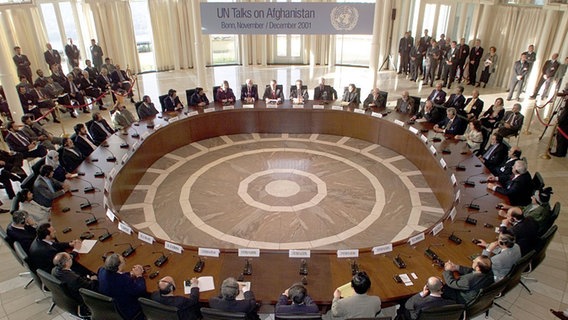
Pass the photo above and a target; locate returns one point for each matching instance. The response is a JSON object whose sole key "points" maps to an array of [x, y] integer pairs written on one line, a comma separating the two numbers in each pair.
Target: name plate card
{"points": [[317, 106], [145, 135], [337, 108], [417, 238], [136, 145], [454, 180], [413, 130], [299, 253], [443, 163], [400, 123], [110, 215], [124, 228], [207, 110], [228, 107], [271, 105], [208, 252], [173, 247], [382, 249], [433, 150], [424, 139], [111, 174], [360, 111], [158, 126], [125, 158], [458, 195], [297, 106], [174, 119], [146, 238], [453, 213], [248, 106], [349, 253], [246, 252], [192, 113], [439, 227], [376, 115]]}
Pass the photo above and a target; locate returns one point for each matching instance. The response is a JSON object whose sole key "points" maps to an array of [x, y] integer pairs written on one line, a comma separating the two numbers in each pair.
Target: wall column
{"points": [[199, 60]]}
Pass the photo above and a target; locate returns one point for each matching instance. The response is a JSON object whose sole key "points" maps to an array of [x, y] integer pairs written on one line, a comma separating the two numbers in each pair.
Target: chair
{"points": [[214, 314], [278, 87], [302, 316], [244, 87], [358, 90], [25, 262], [29, 181], [162, 99], [537, 181], [60, 295], [484, 299], [304, 87], [102, 307], [449, 312], [385, 96], [215, 89], [137, 107], [10, 245], [154, 310], [543, 243], [553, 215], [514, 277]]}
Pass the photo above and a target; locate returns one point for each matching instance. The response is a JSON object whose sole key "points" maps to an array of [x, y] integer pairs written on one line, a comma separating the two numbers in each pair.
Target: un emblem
{"points": [[344, 18]]}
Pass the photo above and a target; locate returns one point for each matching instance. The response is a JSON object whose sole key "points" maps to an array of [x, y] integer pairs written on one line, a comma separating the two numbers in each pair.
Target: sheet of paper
{"points": [[245, 285], [205, 283], [86, 246], [346, 290]]}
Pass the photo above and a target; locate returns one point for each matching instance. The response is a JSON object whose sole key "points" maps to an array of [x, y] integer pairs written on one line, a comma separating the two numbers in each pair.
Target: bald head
{"points": [[166, 285], [435, 285]]}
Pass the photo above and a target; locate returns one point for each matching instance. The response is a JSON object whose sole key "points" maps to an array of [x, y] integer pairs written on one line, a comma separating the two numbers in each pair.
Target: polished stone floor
{"points": [[551, 290]]}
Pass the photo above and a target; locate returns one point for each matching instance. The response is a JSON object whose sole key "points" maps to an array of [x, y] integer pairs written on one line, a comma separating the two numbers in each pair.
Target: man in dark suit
{"points": [[475, 55], [463, 53], [375, 100], [75, 92], [91, 71], [44, 248], [524, 228], [43, 100], [71, 157], [299, 94], [249, 92], [19, 142], [518, 187], [21, 229], [548, 72], [429, 297], [100, 130], [198, 99], [520, 71], [22, 64], [146, 108], [429, 112], [83, 141], [29, 102], [438, 95], [473, 105], [272, 92], [452, 124], [465, 287], [301, 301], [63, 262], [456, 100], [506, 168], [351, 96], [226, 301], [73, 54], [11, 170], [96, 54], [120, 80], [423, 45], [51, 56], [512, 121], [495, 154], [46, 189], [450, 65], [188, 306], [404, 46], [324, 91]]}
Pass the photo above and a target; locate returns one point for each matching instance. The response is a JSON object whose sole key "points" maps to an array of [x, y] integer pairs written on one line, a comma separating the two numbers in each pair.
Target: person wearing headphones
{"points": [[22, 229], [429, 297], [504, 253], [301, 301], [63, 262], [227, 301], [464, 288], [188, 307]]}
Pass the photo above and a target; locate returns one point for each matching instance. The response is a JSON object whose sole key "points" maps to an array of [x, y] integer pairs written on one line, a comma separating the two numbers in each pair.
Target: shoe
{"points": [[86, 111], [532, 97], [132, 100], [400, 72], [102, 108], [559, 314], [484, 85], [56, 121], [477, 85], [73, 115], [508, 99], [4, 210]]}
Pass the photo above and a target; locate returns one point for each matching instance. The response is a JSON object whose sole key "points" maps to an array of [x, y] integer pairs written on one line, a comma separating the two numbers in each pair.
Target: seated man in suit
{"points": [[524, 228], [71, 157], [100, 130], [405, 104], [301, 301], [429, 113], [504, 253], [323, 91], [121, 117], [518, 188], [44, 248], [495, 154], [465, 287], [512, 122], [226, 301], [120, 80], [199, 99], [172, 102], [374, 99], [21, 229], [350, 96], [299, 94], [225, 93], [452, 124], [429, 297], [438, 95], [146, 109], [46, 188], [11, 170], [63, 262], [473, 105], [359, 305], [456, 100], [83, 140], [29, 102], [188, 306], [19, 142], [249, 92], [36, 132], [43, 100], [506, 168], [273, 93]]}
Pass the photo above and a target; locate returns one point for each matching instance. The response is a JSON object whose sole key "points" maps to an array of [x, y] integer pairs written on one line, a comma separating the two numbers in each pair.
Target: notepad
{"points": [[245, 285], [86, 246], [346, 290], [204, 283]]}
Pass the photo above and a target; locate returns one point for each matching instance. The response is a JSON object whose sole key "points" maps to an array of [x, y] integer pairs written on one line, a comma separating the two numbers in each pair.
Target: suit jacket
{"points": [[52, 57], [463, 53], [193, 101], [42, 253], [24, 236], [417, 304], [404, 45], [505, 169], [439, 99], [303, 93], [98, 134], [503, 260], [145, 111], [188, 308], [356, 306], [225, 95], [22, 64], [379, 102], [464, 288], [520, 69], [115, 78], [248, 305], [268, 94], [408, 106], [71, 160], [456, 127], [124, 289], [456, 101], [517, 121], [72, 52], [526, 234], [60, 78], [43, 194], [550, 68], [252, 93], [351, 97], [74, 282], [15, 144], [83, 146], [476, 108], [519, 190], [497, 157], [434, 116], [97, 55], [451, 57], [103, 82], [475, 55], [93, 74], [541, 214], [308, 306], [325, 93]]}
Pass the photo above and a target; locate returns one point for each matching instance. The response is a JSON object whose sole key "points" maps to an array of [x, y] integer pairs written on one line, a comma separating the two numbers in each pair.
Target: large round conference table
{"points": [[275, 270]]}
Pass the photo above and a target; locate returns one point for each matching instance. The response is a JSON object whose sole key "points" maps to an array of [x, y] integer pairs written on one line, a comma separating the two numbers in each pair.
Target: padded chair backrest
{"points": [[517, 272], [244, 87], [154, 310], [384, 94], [484, 299], [304, 87], [137, 107], [59, 293], [543, 243], [449, 312], [102, 307], [10, 243], [188, 94], [29, 181], [358, 90], [554, 214], [537, 181], [38, 165], [417, 105], [215, 89], [214, 314], [302, 316], [162, 99], [26, 263]]}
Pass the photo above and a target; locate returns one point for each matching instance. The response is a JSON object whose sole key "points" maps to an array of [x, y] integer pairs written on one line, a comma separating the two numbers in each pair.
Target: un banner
{"points": [[287, 18]]}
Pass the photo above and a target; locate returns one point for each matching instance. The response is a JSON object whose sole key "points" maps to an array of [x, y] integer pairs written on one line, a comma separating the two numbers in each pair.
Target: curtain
{"points": [[113, 22]]}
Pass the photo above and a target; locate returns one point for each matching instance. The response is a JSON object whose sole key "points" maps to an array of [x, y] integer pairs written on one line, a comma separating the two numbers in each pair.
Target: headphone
{"points": [[168, 289], [506, 240]]}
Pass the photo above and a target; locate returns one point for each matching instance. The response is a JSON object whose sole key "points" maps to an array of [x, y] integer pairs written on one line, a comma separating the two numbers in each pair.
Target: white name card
{"points": [[317, 106], [207, 110], [376, 115], [439, 227], [158, 126], [112, 173], [271, 106], [458, 195], [192, 113], [360, 111], [247, 252], [413, 130], [417, 238], [173, 247], [382, 249], [125, 158], [337, 108], [453, 213], [297, 106], [145, 135], [146, 238], [443, 163], [110, 215], [299, 253], [124, 228], [400, 123], [174, 119], [106, 187], [433, 150], [248, 106], [136, 145], [208, 252], [228, 107], [349, 253], [454, 180], [424, 139]]}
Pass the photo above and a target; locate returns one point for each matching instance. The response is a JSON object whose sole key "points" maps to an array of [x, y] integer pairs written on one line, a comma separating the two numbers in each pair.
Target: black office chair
{"points": [[484, 299], [214, 314], [358, 90], [304, 88], [188, 94], [215, 89], [449, 312], [537, 181], [162, 99], [10, 244], [137, 107], [543, 243], [60, 295], [553, 215], [301, 316], [102, 307], [25, 261], [514, 277], [244, 88], [154, 310], [385, 96], [278, 87]]}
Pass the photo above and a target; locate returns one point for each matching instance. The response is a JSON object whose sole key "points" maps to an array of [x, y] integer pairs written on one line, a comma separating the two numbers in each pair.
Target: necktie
{"points": [[469, 106], [487, 154], [273, 94], [512, 120], [23, 140], [249, 92], [103, 127]]}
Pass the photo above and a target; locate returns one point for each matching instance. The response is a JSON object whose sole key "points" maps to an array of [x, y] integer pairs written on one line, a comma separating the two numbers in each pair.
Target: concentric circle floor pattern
{"points": [[282, 191]]}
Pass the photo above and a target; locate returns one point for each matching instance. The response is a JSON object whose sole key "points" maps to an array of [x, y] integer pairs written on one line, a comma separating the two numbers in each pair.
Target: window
{"points": [[143, 35], [353, 50], [224, 47], [443, 17]]}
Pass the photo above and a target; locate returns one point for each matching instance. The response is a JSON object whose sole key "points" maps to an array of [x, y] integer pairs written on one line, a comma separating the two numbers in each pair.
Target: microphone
{"points": [[112, 157], [460, 166], [100, 173], [455, 239], [88, 189], [150, 125], [354, 267], [200, 264], [469, 183], [161, 260], [399, 262], [91, 220], [470, 220], [473, 206], [135, 134], [304, 267], [84, 205], [104, 236], [247, 270], [128, 251]]}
